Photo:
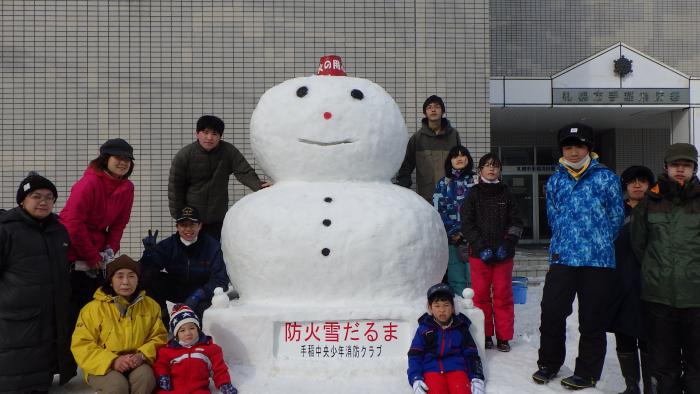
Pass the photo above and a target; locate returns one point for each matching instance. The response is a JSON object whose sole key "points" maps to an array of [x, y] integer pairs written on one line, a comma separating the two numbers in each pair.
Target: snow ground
{"points": [[507, 373]]}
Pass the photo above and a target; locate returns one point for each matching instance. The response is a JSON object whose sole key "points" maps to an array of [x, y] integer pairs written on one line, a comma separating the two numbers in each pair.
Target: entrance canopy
{"points": [[542, 119]]}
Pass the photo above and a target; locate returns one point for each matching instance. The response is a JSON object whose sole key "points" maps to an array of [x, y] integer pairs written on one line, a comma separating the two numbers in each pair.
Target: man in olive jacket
{"points": [[427, 149], [666, 239], [200, 172]]}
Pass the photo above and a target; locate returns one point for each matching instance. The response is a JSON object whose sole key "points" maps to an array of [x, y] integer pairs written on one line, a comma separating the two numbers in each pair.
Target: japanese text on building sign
{"points": [[594, 96], [352, 339]]}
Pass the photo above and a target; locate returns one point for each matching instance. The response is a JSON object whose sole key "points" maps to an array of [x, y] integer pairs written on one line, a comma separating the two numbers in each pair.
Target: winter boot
{"points": [[488, 343], [502, 346], [575, 382], [544, 374], [646, 372], [629, 365]]}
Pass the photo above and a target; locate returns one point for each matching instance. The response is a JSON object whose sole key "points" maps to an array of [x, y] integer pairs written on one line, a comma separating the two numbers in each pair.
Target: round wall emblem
{"points": [[623, 66]]}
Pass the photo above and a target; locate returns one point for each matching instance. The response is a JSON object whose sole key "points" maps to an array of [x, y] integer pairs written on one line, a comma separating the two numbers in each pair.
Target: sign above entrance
{"points": [[540, 168], [593, 96]]}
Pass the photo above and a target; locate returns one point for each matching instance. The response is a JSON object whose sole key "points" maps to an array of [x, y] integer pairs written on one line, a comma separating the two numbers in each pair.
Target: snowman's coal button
{"points": [[326, 222], [325, 251], [327, 199]]}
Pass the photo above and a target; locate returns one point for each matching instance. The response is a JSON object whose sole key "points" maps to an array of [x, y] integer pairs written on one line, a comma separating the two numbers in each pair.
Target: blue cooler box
{"points": [[519, 289]]}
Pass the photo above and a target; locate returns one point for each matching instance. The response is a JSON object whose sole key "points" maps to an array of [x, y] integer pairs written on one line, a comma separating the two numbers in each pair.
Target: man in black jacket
{"points": [[34, 292], [185, 267]]}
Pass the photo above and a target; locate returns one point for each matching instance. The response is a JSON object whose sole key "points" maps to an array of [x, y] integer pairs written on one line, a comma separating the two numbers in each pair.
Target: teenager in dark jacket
{"points": [[427, 149], [626, 305], [585, 211], [443, 358], [666, 238], [492, 225], [35, 325], [192, 262], [200, 172], [450, 193]]}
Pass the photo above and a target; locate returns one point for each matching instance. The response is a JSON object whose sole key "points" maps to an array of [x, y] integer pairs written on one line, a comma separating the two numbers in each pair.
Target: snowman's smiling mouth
{"points": [[329, 143]]}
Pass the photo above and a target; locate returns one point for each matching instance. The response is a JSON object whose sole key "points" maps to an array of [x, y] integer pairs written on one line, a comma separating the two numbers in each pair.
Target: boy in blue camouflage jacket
{"points": [[585, 211]]}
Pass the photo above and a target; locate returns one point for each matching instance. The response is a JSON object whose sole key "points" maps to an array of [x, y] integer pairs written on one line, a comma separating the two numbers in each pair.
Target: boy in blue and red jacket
{"points": [[443, 358]]}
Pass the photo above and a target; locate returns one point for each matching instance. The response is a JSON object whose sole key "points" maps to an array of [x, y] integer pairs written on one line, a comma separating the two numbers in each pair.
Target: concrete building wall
{"points": [[75, 73], [537, 38]]}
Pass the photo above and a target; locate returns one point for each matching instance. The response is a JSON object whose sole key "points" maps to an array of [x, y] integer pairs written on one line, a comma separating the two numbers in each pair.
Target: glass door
{"points": [[521, 187]]}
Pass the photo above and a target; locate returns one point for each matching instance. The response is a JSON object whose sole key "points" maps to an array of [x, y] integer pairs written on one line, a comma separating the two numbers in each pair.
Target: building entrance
{"points": [[525, 171]]}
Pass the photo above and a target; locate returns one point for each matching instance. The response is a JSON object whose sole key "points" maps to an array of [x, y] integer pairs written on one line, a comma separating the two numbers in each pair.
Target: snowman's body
{"points": [[334, 243], [332, 239]]}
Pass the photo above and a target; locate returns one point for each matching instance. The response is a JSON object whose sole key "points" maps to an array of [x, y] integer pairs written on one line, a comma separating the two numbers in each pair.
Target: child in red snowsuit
{"points": [[185, 364]]}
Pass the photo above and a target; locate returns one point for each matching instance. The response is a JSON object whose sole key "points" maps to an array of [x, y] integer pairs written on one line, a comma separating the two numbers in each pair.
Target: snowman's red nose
{"points": [[327, 115]]}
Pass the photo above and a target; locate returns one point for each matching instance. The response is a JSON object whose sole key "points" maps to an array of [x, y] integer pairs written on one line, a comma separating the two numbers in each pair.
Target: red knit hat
{"points": [[331, 65]]}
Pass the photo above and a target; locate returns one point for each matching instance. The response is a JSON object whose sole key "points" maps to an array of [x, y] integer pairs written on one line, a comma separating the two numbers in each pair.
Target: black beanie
{"points": [[636, 172], [434, 99], [32, 182]]}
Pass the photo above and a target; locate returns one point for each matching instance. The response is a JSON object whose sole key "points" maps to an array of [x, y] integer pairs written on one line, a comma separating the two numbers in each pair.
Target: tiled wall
{"points": [[537, 38], [641, 147], [75, 73]]}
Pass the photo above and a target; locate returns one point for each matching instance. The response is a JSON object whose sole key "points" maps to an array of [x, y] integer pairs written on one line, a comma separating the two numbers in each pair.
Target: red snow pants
{"points": [[455, 382], [499, 308]]}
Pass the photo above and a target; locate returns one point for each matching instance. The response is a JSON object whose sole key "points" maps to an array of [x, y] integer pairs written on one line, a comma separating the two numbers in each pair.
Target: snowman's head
{"points": [[322, 128]]}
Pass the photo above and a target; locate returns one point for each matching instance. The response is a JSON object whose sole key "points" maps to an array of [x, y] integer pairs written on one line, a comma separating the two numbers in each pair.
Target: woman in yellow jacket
{"points": [[118, 333]]}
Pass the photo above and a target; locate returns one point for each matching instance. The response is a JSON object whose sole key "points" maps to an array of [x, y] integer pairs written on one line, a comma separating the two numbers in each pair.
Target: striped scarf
{"points": [[577, 169]]}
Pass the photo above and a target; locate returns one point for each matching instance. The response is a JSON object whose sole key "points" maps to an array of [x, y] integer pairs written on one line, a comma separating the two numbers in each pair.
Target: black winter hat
{"points": [[117, 147], [637, 172], [211, 122], [434, 99], [440, 288], [577, 133], [32, 182]]}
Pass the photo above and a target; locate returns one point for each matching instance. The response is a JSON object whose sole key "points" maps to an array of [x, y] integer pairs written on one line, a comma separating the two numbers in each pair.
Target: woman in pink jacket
{"points": [[96, 213]]}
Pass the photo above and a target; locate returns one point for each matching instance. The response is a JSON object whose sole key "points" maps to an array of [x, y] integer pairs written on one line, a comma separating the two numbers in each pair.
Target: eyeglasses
{"points": [[48, 198], [490, 165]]}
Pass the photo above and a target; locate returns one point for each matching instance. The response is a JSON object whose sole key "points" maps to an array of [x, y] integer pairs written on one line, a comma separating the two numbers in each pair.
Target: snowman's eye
{"points": [[357, 94], [302, 91]]}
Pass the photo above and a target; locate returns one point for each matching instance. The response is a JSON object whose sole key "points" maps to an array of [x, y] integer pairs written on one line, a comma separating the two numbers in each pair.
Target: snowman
{"points": [[333, 239]]}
